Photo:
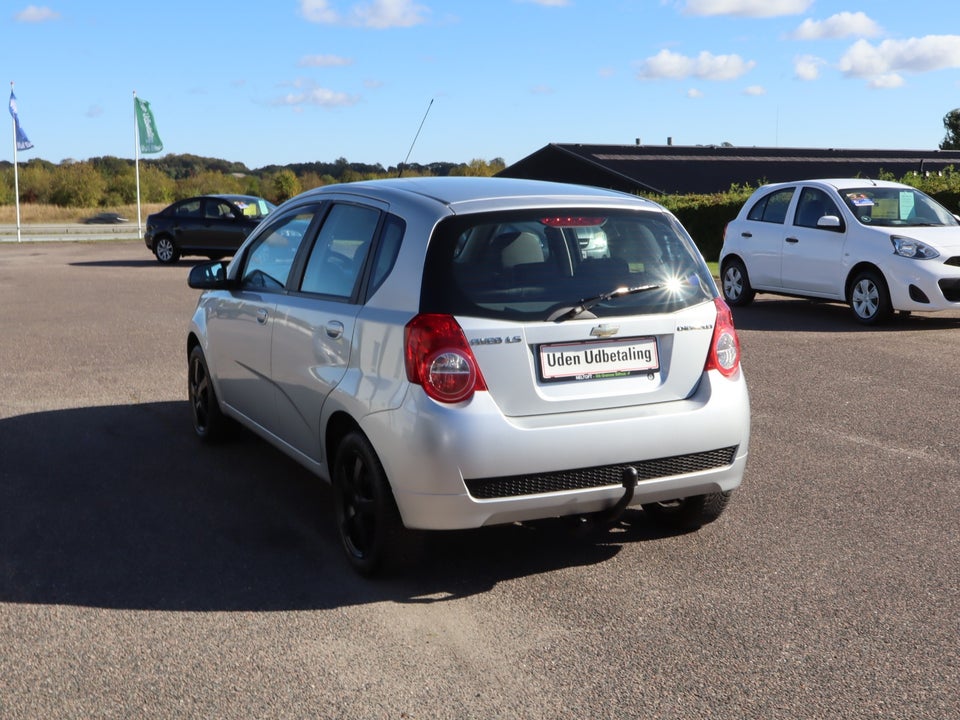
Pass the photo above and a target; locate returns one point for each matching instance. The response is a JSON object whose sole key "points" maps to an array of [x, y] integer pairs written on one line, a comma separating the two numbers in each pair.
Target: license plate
{"points": [[597, 360]]}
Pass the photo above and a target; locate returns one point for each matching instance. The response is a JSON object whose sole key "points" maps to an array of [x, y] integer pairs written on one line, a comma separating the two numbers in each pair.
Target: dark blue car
{"points": [[211, 225]]}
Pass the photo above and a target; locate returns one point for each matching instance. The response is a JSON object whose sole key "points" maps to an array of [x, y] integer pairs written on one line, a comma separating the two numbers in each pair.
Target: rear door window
{"points": [[188, 209], [772, 208], [533, 264], [338, 255]]}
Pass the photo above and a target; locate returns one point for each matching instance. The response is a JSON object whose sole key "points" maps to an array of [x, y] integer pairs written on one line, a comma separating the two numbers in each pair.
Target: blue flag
{"points": [[23, 142]]}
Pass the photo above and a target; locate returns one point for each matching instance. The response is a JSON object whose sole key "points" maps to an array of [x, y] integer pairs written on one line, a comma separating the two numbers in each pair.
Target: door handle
{"points": [[793, 240], [262, 315], [334, 329], [746, 234]]}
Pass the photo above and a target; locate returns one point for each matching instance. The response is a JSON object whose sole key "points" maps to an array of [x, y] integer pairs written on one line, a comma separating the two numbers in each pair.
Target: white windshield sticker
{"points": [[906, 204]]}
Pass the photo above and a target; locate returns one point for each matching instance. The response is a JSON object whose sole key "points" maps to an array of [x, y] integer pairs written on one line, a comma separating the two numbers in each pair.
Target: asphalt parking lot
{"points": [[142, 575]]}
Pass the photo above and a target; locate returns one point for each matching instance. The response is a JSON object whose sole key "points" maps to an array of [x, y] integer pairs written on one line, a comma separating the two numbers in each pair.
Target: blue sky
{"points": [[315, 80]]}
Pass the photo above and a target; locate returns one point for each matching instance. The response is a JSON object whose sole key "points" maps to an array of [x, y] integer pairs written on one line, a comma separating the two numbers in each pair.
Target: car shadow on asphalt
{"points": [[796, 315], [122, 507]]}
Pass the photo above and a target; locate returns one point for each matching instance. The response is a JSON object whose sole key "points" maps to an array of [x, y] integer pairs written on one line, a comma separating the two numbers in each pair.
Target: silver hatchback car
{"points": [[444, 352]]}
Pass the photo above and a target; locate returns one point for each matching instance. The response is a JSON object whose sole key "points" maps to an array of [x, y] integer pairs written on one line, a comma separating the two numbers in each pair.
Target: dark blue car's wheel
{"points": [[166, 250]]}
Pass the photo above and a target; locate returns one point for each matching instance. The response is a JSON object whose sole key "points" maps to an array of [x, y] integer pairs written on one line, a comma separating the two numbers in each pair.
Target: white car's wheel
{"points": [[736, 284], [869, 298]]}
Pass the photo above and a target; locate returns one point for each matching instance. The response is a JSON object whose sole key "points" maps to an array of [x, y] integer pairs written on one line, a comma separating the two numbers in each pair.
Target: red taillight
{"points": [[724, 355], [439, 358]]}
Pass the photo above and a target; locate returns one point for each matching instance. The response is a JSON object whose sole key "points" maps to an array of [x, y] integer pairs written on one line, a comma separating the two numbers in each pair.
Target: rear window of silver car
{"points": [[529, 265]]}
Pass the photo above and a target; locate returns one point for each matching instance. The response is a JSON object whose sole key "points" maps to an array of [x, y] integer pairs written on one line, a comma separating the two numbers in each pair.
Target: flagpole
{"points": [[16, 175], [136, 163]]}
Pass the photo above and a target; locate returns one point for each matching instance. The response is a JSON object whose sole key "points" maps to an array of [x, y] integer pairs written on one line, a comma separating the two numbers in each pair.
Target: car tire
{"points": [[688, 513], [166, 250], [209, 423], [869, 298], [368, 521], [736, 284]]}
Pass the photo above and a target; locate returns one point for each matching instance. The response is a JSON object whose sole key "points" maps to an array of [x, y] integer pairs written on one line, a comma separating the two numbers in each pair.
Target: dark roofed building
{"points": [[678, 169]]}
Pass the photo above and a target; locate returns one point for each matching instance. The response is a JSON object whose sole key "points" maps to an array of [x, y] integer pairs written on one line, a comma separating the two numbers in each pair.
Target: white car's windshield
{"points": [[894, 206]]}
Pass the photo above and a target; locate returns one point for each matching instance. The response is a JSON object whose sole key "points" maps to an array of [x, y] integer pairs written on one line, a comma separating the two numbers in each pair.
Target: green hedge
{"points": [[706, 216]]}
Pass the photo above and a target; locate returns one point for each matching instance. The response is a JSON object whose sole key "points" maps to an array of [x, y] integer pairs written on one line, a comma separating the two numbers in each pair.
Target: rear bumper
{"points": [[432, 452]]}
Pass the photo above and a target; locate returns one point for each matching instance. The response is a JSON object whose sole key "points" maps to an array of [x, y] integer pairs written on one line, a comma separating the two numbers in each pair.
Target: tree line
{"points": [[105, 182]]}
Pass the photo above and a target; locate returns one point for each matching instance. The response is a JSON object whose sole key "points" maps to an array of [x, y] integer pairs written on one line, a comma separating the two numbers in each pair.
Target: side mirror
{"points": [[209, 276], [830, 222]]}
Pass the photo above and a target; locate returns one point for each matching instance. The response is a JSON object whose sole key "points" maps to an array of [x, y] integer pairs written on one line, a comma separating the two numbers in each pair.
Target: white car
{"points": [[879, 246], [444, 353]]}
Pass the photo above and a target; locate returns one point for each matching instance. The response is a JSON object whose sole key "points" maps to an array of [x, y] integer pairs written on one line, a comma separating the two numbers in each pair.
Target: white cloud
{"points": [[382, 14], [311, 94], [807, 67], [541, 90], [755, 90], [376, 14], [324, 61], [548, 3], [705, 66], [880, 64], [694, 94], [746, 8], [845, 24], [34, 14], [886, 82], [318, 11]]}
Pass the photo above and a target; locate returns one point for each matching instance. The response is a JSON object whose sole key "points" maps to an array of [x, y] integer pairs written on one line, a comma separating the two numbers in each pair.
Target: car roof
{"points": [[233, 197], [461, 193], [840, 183]]}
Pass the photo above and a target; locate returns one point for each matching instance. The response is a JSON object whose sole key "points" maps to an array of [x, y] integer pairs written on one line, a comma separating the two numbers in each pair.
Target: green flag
{"points": [[150, 141]]}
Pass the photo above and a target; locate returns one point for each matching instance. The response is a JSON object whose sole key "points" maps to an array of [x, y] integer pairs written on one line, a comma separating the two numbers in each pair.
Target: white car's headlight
{"points": [[910, 248]]}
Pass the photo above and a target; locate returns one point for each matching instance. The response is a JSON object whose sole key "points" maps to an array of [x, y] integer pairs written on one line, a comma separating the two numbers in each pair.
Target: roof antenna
{"points": [[400, 172]]}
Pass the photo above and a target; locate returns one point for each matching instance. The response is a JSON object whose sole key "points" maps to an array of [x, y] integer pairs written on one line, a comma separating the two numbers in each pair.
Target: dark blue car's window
{"points": [[190, 208]]}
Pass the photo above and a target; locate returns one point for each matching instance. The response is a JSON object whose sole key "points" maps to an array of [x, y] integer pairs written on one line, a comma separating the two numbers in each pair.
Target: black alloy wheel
{"points": [[368, 521], [209, 422]]}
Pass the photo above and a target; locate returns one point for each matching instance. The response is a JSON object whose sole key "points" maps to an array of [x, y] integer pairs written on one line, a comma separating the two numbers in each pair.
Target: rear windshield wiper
{"points": [[587, 303]]}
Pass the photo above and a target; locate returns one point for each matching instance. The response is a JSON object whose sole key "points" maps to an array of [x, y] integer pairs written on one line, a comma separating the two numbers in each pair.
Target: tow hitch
{"points": [[629, 482], [586, 524]]}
